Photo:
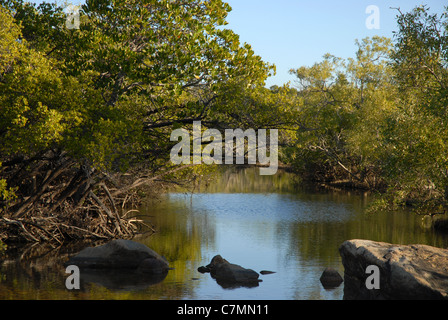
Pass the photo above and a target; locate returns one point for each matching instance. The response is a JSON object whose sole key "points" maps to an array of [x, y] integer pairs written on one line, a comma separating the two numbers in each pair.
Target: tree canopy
{"points": [[81, 106], [378, 120]]}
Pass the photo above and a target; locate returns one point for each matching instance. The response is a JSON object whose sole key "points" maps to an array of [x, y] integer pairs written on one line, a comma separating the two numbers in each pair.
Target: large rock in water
{"points": [[406, 271], [120, 254]]}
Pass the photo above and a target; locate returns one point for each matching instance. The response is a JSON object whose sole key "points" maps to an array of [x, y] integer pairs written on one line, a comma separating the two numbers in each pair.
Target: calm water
{"points": [[259, 222]]}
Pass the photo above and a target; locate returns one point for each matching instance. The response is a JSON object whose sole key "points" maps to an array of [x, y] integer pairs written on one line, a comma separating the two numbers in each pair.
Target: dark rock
{"points": [[405, 271], [266, 272], [120, 254], [216, 260], [153, 266], [228, 274], [203, 269], [330, 278]]}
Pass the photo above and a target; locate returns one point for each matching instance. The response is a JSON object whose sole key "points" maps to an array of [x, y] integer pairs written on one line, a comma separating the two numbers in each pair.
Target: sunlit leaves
{"points": [[382, 114], [109, 93], [418, 163]]}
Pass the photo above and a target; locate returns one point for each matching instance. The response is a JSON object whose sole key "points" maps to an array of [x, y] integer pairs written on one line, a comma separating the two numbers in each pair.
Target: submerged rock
{"points": [[330, 278], [121, 254], [405, 271]]}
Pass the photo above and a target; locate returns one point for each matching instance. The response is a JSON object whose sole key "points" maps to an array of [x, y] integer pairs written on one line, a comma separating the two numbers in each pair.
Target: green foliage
{"points": [[333, 96], [5, 192], [418, 165], [379, 119], [84, 110], [35, 107], [133, 67]]}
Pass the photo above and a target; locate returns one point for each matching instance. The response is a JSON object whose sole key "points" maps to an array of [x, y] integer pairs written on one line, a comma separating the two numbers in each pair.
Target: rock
{"points": [[228, 273], [203, 269], [153, 266], [120, 254], [405, 271], [264, 272], [330, 278]]}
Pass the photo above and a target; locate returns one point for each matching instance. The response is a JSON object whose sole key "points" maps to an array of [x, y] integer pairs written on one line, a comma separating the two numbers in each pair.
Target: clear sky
{"points": [[294, 33]]}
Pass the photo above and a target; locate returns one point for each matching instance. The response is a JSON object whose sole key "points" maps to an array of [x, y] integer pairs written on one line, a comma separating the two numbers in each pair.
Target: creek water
{"points": [[259, 222]]}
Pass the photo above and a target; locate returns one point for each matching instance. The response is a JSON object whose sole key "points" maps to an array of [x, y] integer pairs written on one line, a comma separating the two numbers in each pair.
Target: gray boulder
{"points": [[228, 274], [405, 271], [121, 254]]}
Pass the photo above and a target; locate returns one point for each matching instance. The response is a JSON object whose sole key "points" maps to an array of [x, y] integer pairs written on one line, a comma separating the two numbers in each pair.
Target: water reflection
{"points": [[259, 222], [269, 223], [127, 280]]}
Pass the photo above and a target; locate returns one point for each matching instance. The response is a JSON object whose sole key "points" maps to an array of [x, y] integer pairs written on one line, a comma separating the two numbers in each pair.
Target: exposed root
{"points": [[93, 224], [58, 200]]}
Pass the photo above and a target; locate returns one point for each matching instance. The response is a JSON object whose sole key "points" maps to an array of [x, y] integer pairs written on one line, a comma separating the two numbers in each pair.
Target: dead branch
{"points": [[114, 220]]}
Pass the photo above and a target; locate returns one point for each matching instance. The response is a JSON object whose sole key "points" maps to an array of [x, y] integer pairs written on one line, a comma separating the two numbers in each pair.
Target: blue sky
{"points": [[294, 33]]}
